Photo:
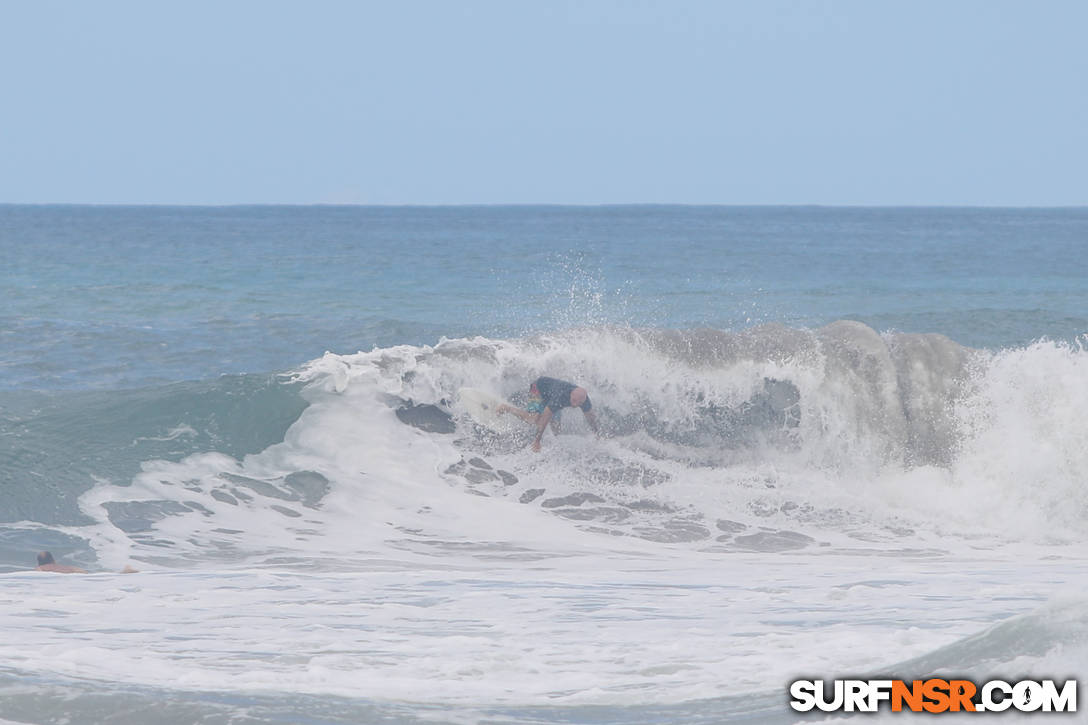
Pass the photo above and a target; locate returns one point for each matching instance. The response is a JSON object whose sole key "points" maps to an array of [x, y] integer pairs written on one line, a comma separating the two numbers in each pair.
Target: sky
{"points": [[478, 102]]}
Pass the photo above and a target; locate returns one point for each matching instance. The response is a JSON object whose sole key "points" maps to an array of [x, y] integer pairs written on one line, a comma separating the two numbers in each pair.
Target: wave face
{"points": [[767, 440], [60, 445]]}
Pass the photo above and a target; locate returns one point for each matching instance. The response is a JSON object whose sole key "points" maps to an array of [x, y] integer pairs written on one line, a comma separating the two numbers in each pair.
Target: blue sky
{"points": [[761, 102]]}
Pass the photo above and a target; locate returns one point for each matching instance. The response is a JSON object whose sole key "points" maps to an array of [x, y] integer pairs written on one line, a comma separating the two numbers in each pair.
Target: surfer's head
{"points": [[578, 397], [44, 557]]}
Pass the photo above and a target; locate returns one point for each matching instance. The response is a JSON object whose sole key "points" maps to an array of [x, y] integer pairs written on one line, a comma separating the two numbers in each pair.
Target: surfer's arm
{"points": [[591, 418], [523, 414], [541, 426]]}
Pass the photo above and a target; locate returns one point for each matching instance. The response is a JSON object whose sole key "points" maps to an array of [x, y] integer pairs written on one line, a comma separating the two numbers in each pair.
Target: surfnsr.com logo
{"points": [[934, 696]]}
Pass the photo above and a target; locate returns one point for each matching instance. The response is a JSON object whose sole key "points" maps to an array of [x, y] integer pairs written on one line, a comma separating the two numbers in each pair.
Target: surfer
{"points": [[547, 398], [46, 562]]}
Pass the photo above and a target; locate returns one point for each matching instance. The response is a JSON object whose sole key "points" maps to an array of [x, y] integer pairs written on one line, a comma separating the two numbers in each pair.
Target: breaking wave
{"points": [[766, 440]]}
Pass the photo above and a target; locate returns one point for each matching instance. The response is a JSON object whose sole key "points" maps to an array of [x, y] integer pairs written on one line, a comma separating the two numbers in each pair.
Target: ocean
{"points": [[835, 442]]}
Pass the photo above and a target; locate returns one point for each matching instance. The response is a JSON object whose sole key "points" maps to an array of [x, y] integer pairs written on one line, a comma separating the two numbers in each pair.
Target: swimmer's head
{"points": [[44, 557], [578, 397]]}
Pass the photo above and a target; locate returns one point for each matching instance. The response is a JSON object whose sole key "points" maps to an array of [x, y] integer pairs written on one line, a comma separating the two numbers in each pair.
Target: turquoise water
{"points": [[790, 399], [107, 297]]}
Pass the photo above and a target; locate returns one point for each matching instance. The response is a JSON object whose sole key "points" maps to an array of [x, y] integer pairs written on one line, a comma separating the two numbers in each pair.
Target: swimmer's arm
{"points": [[61, 568]]}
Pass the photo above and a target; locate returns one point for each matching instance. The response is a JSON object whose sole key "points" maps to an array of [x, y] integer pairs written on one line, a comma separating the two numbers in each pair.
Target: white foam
{"points": [[610, 630], [401, 585]]}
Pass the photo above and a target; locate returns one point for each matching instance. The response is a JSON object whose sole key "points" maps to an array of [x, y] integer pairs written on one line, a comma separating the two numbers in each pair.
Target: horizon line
{"points": [[585, 205]]}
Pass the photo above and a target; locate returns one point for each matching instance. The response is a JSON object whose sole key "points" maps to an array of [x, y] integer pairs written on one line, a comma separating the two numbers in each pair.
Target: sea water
{"points": [[835, 443]]}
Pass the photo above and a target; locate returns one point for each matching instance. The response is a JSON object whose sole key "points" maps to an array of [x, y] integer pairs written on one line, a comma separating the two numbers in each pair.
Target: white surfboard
{"points": [[483, 407]]}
